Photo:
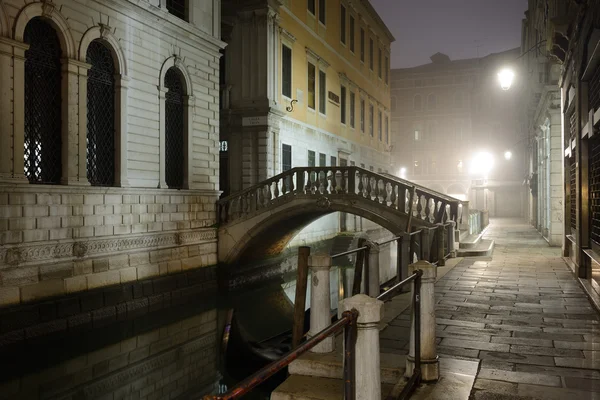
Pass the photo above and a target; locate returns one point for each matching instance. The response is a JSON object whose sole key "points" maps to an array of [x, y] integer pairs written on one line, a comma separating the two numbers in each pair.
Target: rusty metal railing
{"points": [[347, 323], [415, 378]]}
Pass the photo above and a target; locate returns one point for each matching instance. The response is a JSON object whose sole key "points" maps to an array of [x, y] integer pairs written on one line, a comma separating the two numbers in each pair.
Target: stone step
{"points": [[483, 249], [470, 241], [330, 365], [301, 387]]}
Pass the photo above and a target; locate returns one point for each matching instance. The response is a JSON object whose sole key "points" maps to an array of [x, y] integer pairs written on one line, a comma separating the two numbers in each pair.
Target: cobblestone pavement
{"points": [[520, 312]]}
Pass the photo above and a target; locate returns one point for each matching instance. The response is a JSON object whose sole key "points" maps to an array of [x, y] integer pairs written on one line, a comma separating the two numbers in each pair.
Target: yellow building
{"points": [[304, 83]]}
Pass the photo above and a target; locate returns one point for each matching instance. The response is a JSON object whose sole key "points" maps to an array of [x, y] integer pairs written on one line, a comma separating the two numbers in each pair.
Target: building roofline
{"points": [[369, 7]]}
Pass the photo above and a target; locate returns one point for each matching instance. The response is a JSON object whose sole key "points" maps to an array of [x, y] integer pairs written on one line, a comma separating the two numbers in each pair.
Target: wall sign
{"points": [[334, 98], [254, 121]]}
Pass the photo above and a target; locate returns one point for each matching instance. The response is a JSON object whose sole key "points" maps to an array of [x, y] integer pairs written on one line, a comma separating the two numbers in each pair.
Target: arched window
{"points": [[431, 102], [42, 136], [174, 128], [418, 103], [100, 115]]}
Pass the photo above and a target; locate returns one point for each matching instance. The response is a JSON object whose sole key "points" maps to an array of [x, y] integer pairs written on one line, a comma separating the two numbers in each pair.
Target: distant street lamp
{"points": [[506, 77], [403, 173], [508, 155], [482, 164]]}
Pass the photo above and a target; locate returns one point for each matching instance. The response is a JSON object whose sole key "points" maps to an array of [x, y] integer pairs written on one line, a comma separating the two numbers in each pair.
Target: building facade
{"points": [[108, 143], [542, 107], [445, 115], [574, 37], [304, 84]]}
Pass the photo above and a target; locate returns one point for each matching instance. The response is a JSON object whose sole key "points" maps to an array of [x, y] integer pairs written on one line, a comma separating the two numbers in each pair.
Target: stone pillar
{"points": [[74, 132], [429, 359], [368, 370], [121, 113], [463, 224], [373, 289], [12, 110], [452, 239], [162, 183], [320, 301]]}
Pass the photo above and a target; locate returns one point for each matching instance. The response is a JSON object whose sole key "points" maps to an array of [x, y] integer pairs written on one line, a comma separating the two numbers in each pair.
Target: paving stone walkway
{"points": [[520, 312]]}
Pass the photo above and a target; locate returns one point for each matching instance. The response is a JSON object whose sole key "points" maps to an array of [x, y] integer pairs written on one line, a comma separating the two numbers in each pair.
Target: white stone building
{"points": [[109, 123]]}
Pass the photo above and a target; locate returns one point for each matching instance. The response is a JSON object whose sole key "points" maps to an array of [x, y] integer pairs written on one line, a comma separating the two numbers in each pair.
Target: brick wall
{"points": [[60, 239], [55, 243]]}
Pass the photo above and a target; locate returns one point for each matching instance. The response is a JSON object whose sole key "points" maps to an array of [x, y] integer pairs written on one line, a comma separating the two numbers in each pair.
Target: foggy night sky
{"points": [[454, 27]]}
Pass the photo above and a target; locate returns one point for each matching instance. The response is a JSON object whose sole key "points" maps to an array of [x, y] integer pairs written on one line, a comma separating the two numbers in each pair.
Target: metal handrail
{"points": [[347, 322], [345, 253], [415, 378]]}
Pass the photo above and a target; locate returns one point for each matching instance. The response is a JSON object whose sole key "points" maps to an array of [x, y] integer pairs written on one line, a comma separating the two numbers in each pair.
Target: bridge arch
{"points": [[267, 235]]}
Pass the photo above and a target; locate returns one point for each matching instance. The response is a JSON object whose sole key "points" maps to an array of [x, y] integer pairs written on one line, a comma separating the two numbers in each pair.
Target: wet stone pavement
{"points": [[522, 314]]}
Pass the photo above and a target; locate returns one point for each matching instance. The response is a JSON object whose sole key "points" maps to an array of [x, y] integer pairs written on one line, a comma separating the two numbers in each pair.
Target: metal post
{"points": [[441, 254], [368, 370], [320, 301], [403, 258], [300, 300], [413, 248], [452, 239], [422, 337], [350, 357], [425, 244]]}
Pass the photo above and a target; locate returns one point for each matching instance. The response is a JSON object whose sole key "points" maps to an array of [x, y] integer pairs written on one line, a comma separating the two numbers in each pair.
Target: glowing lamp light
{"points": [[482, 164], [507, 155], [403, 173], [506, 77]]}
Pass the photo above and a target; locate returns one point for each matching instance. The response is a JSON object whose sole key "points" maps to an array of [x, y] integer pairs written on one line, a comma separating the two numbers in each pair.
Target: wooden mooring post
{"points": [[300, 300]]}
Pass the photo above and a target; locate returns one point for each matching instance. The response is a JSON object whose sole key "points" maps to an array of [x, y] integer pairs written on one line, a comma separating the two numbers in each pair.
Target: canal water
{"points": [[178, 350]]}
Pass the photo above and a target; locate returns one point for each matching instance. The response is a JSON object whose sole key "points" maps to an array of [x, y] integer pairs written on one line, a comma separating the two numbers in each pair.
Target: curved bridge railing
{"points": [[351, 182]]}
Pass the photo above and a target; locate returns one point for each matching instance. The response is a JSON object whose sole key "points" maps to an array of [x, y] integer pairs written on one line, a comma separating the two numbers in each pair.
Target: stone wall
{"points": [[59, 239]]}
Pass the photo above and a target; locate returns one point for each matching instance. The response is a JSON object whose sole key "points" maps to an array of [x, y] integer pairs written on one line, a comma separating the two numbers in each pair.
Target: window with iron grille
{"points": [[42, 136], [595, 90], [594, 184], [572, 125], [178, 8], [100, 115], [174, 129], [573, 192]]}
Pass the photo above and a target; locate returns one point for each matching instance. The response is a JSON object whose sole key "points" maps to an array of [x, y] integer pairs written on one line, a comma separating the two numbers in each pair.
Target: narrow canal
{"points": [[194, 340]]}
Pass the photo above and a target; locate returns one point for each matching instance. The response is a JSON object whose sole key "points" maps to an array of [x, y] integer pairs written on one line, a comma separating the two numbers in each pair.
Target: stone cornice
{"points": [[13, 255]]}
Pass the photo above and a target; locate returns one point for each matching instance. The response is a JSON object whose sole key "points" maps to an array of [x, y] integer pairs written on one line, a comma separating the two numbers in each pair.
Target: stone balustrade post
{"points": [[367, 376], [453, 234], [463, 224], [373, 271], [320, 301], [429, 359]]}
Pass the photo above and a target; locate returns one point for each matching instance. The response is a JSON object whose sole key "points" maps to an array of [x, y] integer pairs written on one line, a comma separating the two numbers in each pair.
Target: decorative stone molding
{"points": [[54, 252], [106, 33], [312, 54], [287, 35]]}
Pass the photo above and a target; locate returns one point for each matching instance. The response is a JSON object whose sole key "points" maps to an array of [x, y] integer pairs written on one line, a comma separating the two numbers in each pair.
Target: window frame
{"points": [[352, 29], [362, 45], [380, 66], [314, 86], [291, 74], [343, 27], [323, 12], [322, 92], [312, 3], [352, 104], [380, 125], [362, 115], [371, 54], [343, 104]]}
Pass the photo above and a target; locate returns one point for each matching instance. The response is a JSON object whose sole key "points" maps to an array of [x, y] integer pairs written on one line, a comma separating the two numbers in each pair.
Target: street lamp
{"points": [[403, 173], [481, 164], [507, 155], [506, 77]]}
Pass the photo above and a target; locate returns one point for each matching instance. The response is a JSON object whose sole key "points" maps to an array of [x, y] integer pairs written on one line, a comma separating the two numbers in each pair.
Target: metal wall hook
{"points": [[290, 108]]}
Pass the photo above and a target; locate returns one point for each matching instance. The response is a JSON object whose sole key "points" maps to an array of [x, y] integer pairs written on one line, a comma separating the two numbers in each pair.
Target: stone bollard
{"points": [[373, 289], [429, 359], [452, 239], [320, 301], [367, 376]]}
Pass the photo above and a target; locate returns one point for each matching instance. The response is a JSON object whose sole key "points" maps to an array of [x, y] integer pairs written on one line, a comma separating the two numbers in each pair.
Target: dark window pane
{"points": [[286, 157], [343, 24], [594, 180], [352, 108], [322, 6], [174, 129], [333, 161], [371, 54], [100, 115], [311, 158], [286, 71], [362, 45], [322, 160], [322, 92], [42, 136], [343, 104], [311, 6], [178, 8], [352, 33], [311, 86]]}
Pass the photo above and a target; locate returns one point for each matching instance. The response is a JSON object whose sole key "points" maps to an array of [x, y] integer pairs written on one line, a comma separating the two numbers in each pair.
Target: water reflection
{"points": [[172, 354]]}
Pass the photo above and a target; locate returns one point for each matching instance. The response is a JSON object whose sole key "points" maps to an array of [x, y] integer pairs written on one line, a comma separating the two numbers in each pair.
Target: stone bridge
{"points": [[261, 220]]}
